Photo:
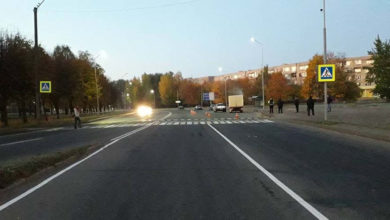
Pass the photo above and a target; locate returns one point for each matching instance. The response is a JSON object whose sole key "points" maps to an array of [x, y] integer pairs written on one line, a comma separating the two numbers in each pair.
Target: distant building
{"points": [[296, 73]]}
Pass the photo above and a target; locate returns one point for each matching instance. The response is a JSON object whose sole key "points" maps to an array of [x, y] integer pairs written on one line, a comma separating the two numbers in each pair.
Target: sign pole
{"points": [[325, 61]]}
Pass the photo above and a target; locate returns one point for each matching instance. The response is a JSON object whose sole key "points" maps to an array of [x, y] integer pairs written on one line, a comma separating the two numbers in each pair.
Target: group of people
{"points": [[309, 103]]}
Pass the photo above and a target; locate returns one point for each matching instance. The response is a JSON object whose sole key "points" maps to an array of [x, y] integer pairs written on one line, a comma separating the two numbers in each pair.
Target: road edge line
{"points": [[279, 183], [46, 181], [19, 142]]}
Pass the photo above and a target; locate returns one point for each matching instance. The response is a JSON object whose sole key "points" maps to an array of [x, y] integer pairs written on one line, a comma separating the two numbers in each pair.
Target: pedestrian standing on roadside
{"points": [[77, 120], [330, 100], [271, 105], [296, 103], [310, 106], [280, 106]]}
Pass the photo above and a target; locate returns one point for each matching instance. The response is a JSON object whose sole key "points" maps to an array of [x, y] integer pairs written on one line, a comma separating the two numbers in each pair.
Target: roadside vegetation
{"points": [[21, 169], [76, 80]]}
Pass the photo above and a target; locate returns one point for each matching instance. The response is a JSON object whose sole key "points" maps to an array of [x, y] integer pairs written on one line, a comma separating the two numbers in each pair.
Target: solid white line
{"points": [[19, 142], [295, 196], [46, 181], [54, 129]]}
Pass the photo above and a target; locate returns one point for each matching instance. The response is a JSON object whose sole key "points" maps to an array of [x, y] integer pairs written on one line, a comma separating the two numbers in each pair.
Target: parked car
{"points": [[198, 107], [220, 107]]}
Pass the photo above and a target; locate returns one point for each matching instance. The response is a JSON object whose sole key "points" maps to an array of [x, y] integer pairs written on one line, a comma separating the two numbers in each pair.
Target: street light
{"points": [[154, 97], [220, 72], [253, 40], [37, 101]]}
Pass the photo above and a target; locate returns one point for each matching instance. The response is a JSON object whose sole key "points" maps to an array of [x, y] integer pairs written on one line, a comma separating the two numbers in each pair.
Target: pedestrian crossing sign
{"points": [[326, 73], [45, 86]]}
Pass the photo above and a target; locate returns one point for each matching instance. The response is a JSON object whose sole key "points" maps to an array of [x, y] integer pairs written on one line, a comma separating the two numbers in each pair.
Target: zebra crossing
{"points": [[185, 122]]}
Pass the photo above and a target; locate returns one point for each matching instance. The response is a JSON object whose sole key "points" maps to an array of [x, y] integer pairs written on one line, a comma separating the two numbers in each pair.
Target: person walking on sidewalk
{"points": [[77, 120], [296, 103], [330, 100], [280, 106], [271, 105], [310, 106]]}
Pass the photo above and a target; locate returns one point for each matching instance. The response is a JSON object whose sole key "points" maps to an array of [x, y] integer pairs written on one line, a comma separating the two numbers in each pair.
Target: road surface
{"points": [[181, 166]]}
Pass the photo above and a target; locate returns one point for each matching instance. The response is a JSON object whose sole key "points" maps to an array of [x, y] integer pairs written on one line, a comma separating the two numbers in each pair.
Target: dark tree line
{"points": [[76, 79]]}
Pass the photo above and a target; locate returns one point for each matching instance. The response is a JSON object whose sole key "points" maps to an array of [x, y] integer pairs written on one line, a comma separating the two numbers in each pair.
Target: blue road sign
{"points": [[206, 96], [45, 86], [326, 73]]}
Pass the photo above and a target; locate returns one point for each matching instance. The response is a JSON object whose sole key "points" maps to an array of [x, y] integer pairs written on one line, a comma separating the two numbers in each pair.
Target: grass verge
{"points": [[17, 126], [17, 170]]}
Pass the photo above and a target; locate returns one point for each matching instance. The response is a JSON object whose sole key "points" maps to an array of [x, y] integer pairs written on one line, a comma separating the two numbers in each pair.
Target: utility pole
{"points": [[262, 66], [225, 93], [325, 61], [262, 75]]}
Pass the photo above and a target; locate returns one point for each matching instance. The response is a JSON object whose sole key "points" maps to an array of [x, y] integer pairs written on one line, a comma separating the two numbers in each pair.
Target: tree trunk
{"points": [[23, 111], [57, 110], [4, 116]]}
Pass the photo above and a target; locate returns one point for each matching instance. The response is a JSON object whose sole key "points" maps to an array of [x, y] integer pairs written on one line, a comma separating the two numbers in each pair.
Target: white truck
{"points": [[236, 103]]}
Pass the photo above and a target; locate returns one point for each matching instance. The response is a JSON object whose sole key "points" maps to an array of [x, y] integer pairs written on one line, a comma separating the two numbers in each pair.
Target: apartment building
{"points": [[296, 73]]}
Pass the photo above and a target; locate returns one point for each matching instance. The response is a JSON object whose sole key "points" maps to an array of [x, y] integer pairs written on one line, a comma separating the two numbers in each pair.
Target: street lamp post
{"points": [[325, 61], [220, 72], [154, 97], [262, 66], [37, 101]]}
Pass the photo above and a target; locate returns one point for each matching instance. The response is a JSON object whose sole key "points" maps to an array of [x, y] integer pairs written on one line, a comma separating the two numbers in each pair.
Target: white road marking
{"points": [[295, 196], [202, 122], [19, 142], [229, 122], [189, 122], [54, 129], [216, 122], [176, 123], [183, 123], [46, 181]]}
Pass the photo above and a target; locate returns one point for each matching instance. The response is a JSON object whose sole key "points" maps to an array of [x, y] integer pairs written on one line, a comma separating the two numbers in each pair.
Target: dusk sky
{"points": [[196, 37]]}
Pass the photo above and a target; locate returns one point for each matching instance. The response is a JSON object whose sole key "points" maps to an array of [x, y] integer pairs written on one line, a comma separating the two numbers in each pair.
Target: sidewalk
{"points": [[16, 126], [367, 120]]}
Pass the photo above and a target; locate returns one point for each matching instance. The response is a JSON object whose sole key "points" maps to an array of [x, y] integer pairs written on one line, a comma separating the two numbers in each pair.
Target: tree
{"points": [[277, 86], [311, 86], [16, 69], [345, 87], [379, 73], [189, 92], [167, 89], [218, 87]]}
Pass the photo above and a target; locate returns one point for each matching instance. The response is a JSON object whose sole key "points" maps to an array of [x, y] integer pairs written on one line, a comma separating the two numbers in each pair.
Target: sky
{"points": [[196, 37]]}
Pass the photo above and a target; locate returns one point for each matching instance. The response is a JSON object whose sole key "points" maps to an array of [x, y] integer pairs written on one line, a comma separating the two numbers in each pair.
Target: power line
{"points": [[166, 5]]}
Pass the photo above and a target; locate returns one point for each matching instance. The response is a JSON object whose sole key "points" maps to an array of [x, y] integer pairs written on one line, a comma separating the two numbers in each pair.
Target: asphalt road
{"points": [[194, 167]]}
